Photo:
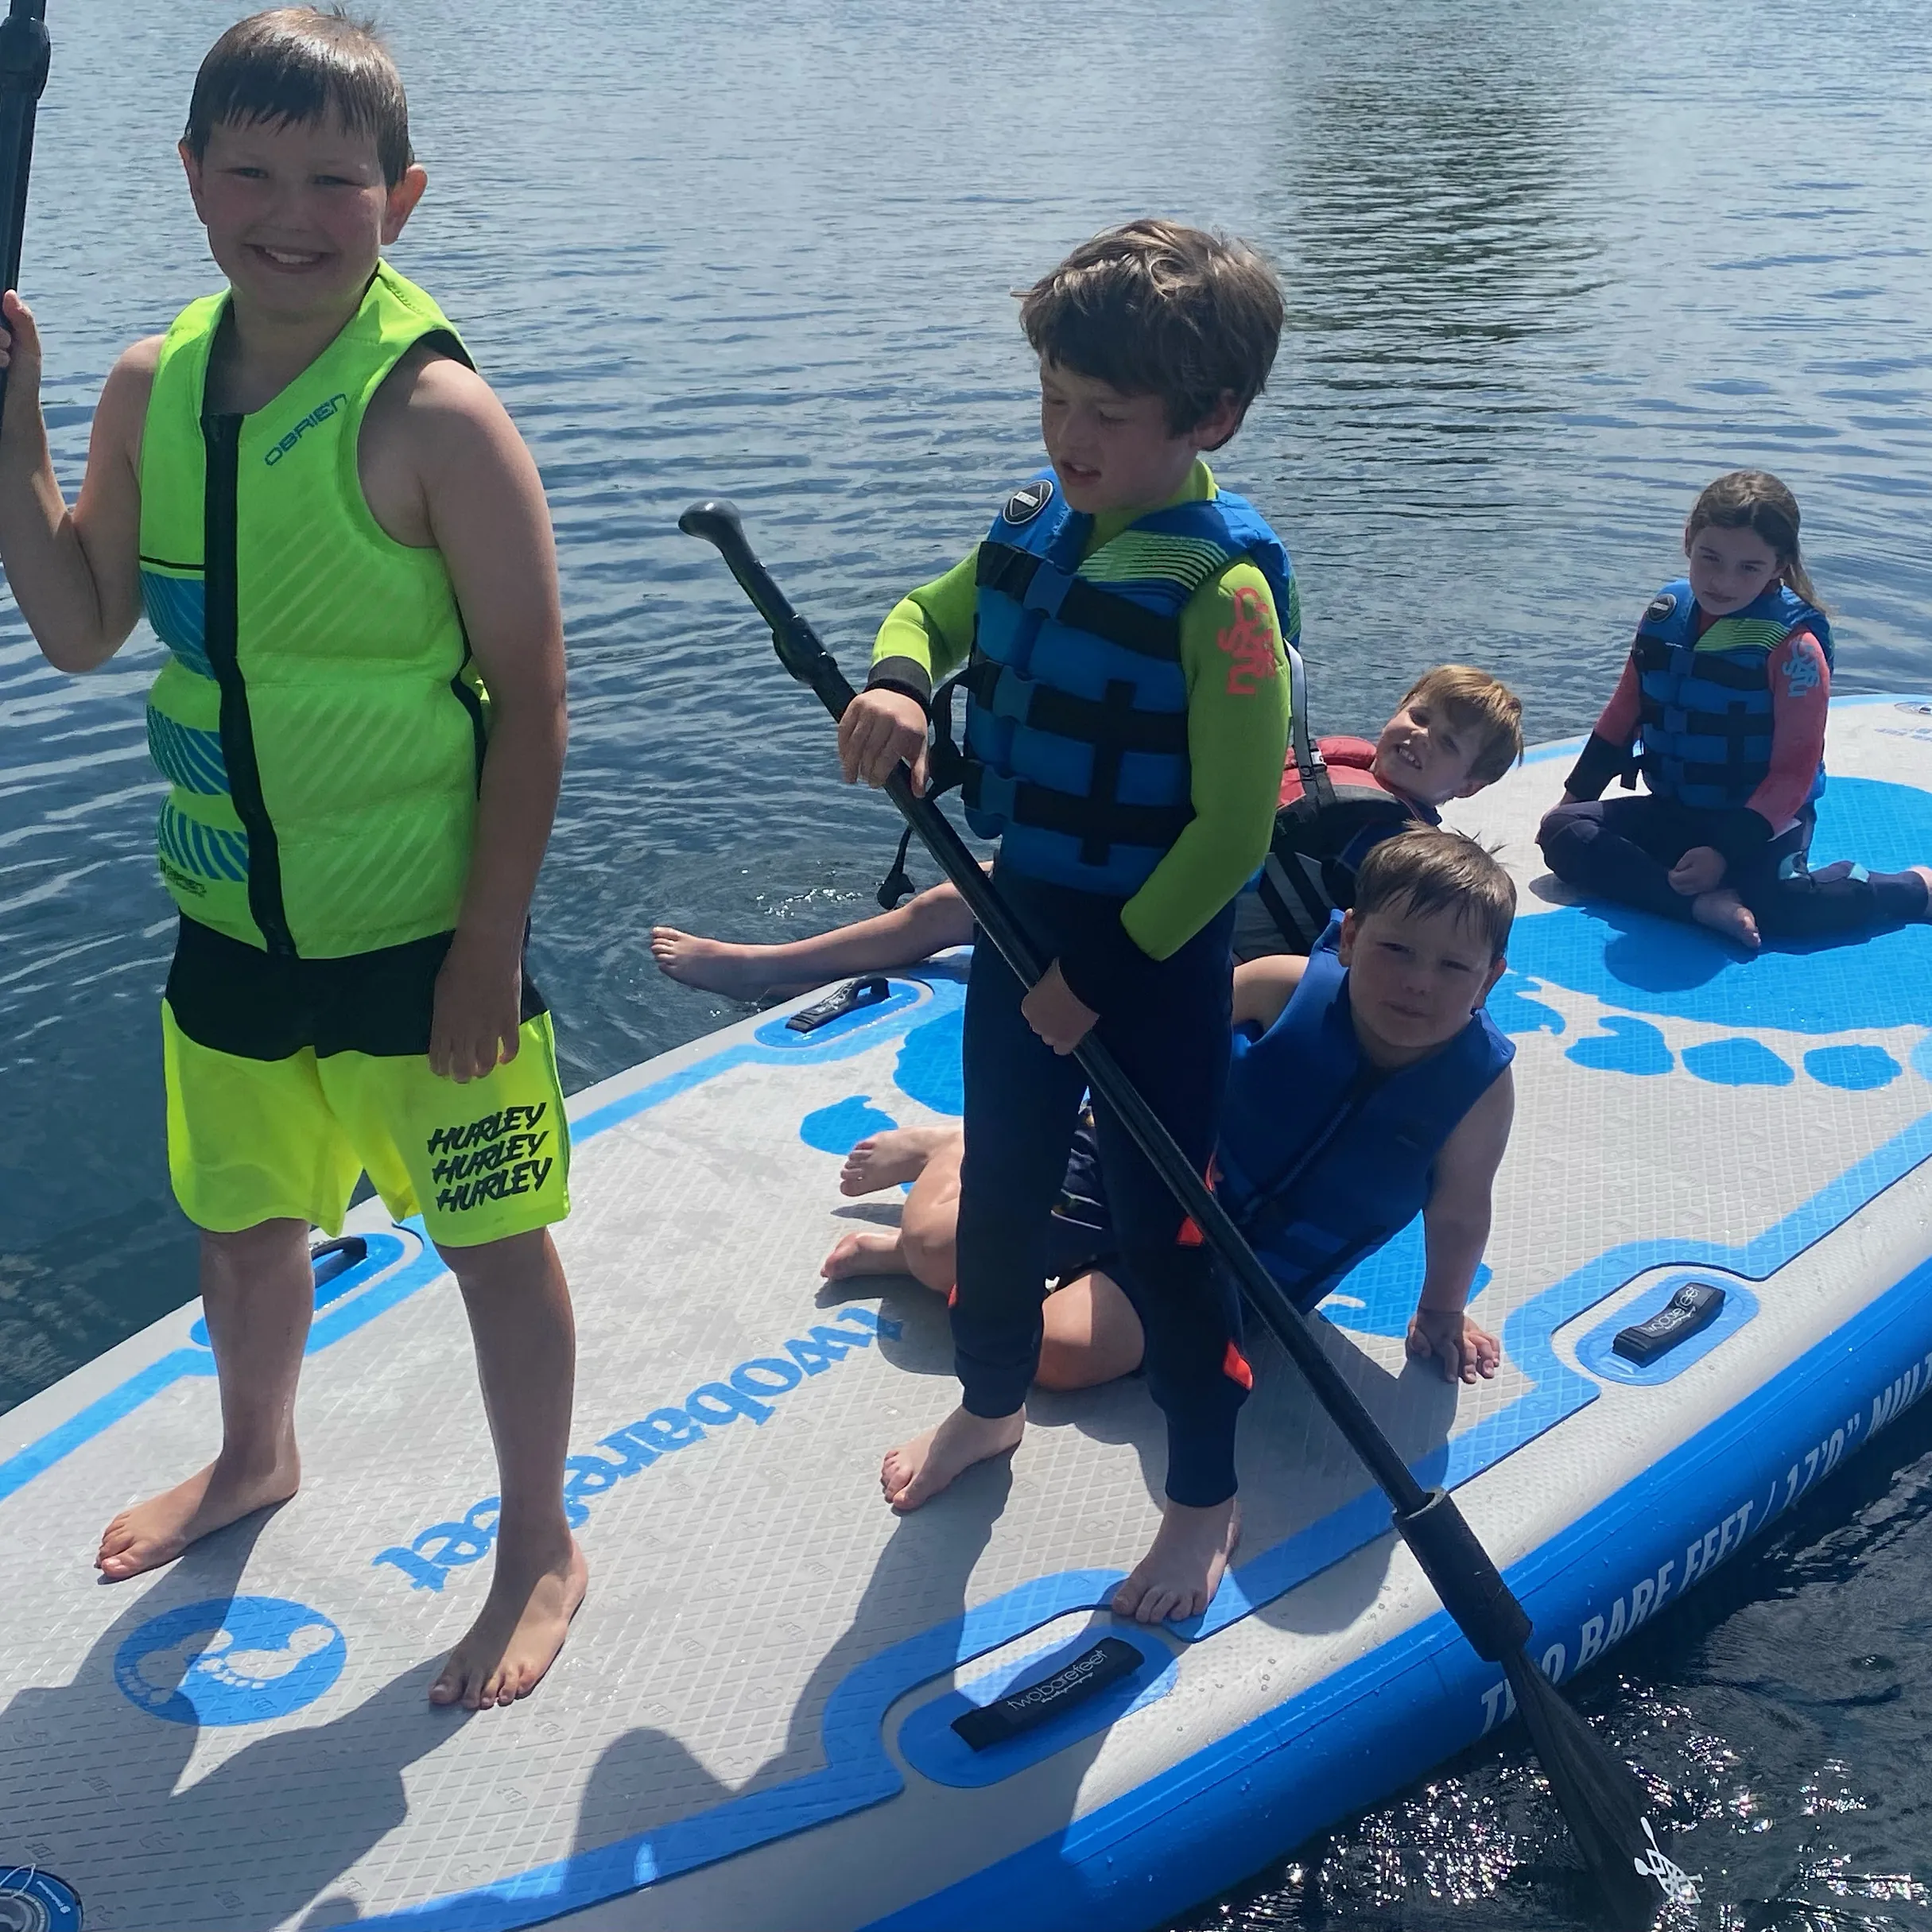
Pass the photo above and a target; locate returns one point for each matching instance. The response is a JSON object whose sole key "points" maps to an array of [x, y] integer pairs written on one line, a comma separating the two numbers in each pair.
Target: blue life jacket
{"points": [[1076, 742], [1324, 1156], [1706, 701]]}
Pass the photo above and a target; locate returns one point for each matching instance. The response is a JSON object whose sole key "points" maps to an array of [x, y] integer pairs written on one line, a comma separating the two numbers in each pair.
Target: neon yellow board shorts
{"points": [[289, 1079]]}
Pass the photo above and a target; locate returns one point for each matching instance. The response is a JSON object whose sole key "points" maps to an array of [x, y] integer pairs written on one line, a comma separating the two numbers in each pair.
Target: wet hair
{"points": [[1480, 705], [1155, 308], [1424, 871], [303, 64], [1756, 501]]}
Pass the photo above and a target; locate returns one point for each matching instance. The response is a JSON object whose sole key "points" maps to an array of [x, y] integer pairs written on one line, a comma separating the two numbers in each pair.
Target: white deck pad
{"points": [[750, 1725]]}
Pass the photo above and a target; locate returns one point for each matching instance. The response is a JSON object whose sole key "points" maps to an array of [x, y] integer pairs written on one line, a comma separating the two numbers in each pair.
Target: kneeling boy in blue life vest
{"points": [[1126, 719], [334, 528], [1368, 1085]]}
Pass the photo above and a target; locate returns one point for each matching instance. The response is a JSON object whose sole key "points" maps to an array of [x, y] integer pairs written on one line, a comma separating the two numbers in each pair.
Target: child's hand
{"points": [[882, 729], [20, 356], [1701, 869], [473, 1026], [1464, 1350], [1055, 1013]]}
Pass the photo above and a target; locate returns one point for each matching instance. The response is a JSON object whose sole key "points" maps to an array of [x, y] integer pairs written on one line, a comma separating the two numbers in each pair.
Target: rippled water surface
{"points": [[1549, 268]]}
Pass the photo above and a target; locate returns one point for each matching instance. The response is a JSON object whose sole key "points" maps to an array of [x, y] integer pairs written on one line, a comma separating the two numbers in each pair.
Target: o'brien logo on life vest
{"points": [[490, 1159], [1026, 503], [321, 414], [747, 1393]]}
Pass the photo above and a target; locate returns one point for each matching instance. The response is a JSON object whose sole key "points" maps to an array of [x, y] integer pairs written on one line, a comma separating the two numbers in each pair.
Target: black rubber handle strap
{"points": [[1108, 1662]]}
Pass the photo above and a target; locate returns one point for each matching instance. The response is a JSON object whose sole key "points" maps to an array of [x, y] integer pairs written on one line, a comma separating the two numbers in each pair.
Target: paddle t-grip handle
{"points": [[800, 649]]}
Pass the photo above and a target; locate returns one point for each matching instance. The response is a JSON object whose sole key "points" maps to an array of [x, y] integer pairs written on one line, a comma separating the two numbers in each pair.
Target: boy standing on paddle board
{"points": [[1126, 721], [334, 528]]}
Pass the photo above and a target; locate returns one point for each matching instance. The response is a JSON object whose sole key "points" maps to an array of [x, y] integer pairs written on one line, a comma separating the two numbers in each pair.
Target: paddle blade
{"points": [[1603, 1805]]}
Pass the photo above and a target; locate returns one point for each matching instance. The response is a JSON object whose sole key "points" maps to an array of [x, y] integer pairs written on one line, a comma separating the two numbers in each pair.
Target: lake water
{"points": [[1549, 270]]}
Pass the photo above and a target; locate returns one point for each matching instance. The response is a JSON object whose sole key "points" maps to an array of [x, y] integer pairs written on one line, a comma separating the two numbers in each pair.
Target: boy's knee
{"points": [[510, 1262], [1063, 1369], [931, 1257], [940, 917], [265, 1237], [1564, 833]]}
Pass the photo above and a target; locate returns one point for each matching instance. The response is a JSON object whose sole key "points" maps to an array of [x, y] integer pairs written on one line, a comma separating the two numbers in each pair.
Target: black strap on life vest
{"points": [[1097, 823], [1112, 725], [1313, 830], [1082, 606], [1736, 726]]}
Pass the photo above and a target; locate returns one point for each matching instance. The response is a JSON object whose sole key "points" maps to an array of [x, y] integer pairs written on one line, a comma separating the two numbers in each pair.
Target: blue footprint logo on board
{"points": [[928, 1070], [1633, 964], [1636, 970], [230, 1660]]}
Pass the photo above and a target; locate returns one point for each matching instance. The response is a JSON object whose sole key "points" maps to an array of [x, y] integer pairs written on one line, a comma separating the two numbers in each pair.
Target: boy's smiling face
{"points": [[297, 212], [1413, 979], [1116, 452], [1425, 754]]}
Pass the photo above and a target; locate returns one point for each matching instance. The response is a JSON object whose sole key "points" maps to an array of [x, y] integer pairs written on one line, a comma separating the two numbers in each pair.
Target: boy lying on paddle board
{"points": [[1457, 732]]}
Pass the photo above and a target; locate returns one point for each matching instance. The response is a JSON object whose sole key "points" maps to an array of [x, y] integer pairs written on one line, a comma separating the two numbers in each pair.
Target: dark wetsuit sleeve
{"points": [[1607, 754]]}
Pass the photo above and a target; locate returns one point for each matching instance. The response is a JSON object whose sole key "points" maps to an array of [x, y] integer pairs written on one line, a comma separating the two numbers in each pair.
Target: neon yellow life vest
{"points": [[319, 720]]}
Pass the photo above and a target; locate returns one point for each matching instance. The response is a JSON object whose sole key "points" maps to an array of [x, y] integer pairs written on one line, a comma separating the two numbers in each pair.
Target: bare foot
{"points": [[503, 1655], [1723, 912], [917, 1471], [1178, 1576], [715, 965], [863, 1254], [884, 1160], [157, 1532]]}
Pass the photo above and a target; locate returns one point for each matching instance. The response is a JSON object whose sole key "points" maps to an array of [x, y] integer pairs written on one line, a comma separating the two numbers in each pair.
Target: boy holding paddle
{"points": [[1125, 721], [333, 526], [1306, 1132]]}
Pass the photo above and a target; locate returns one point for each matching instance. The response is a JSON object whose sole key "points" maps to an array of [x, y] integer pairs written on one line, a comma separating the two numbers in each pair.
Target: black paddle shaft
{"points": [[24, 54], [1445, 1545]]}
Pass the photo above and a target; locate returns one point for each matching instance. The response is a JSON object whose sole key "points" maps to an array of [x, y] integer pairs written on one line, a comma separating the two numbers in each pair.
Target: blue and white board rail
{"points": [[749, 1727]]}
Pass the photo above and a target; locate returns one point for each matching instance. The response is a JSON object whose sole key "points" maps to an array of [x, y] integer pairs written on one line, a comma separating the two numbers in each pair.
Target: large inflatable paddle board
{"points": [[753, 1724]]}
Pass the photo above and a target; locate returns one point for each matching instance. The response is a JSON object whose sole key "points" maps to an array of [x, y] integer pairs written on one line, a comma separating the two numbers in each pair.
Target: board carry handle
{"points": [[25, 52], [1601, 1800]]}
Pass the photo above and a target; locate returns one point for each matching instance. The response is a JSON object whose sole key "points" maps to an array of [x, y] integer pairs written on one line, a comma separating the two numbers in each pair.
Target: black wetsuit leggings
{"points": [[1625, 848], [1166, 1022]]}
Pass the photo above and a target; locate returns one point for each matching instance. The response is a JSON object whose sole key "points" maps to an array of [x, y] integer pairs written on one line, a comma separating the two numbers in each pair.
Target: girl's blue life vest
{"points": [[1075, 753], [1706, 710], [1324, 1156]]}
